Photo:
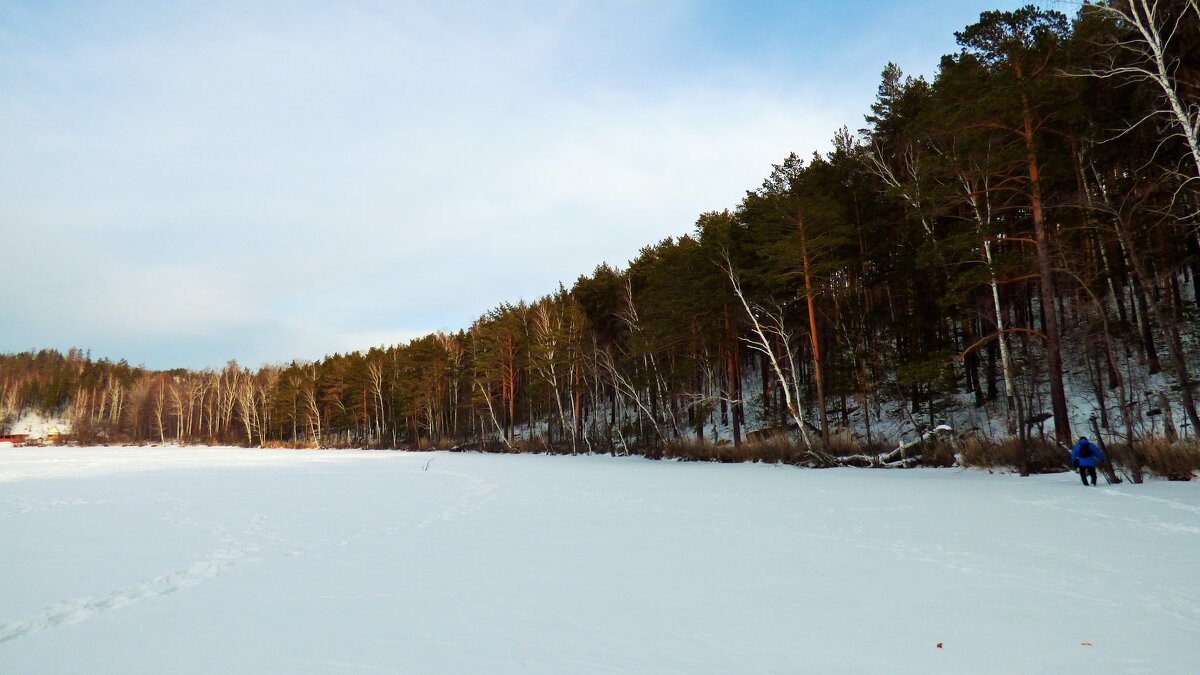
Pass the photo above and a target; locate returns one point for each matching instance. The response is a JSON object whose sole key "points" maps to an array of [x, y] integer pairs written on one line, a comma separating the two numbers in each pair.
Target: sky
{"points": [[184, 183]]}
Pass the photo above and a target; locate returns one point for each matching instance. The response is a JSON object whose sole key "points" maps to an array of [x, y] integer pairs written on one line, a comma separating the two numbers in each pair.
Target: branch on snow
{"points": [[899, 456]]}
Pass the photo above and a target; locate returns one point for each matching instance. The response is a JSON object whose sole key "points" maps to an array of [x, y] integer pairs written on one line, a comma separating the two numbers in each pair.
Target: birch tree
{"points": [[767, 329], [1147, 50], [1019, 47], [549, 332]]}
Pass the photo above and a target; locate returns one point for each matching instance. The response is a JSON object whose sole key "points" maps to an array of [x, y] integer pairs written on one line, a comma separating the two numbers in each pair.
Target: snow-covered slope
{"points": [[203, 560], [38, 426]]}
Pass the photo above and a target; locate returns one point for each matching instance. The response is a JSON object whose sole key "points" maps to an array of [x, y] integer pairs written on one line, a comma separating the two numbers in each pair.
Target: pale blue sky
{"points": [[184, 183]]}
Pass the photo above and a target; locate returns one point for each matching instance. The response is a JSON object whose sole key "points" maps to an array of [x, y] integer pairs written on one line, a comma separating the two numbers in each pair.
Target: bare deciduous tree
{"points": [[1150, 43]]}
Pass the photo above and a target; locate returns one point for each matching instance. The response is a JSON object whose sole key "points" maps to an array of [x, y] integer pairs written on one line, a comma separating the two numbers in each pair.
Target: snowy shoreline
{"points": [[195, 560]]}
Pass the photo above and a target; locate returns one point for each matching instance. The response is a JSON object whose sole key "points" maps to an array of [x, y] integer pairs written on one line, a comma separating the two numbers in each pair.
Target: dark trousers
{"points": [[1085, 471]]}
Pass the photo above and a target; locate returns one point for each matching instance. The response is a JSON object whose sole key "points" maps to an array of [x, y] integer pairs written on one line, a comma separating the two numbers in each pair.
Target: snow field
{"points": [[199, 560]]}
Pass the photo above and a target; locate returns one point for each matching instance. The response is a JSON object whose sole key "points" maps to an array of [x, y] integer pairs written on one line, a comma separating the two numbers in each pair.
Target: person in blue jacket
{"points": [[1084, 456]]}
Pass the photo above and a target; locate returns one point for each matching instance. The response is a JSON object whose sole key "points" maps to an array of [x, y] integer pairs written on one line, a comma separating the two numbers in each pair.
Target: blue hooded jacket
{"points": [[1091, 460]]}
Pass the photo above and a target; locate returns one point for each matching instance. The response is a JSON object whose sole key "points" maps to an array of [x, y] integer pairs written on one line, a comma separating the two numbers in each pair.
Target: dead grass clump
{"points": [[1127, 461], [560, 447], [842, 445], [880, 445], [1006, 453], [728, 453], [1047, 457], [668, 450], [773, 449], [1011, 453], [1177, 461], [973, 452], [289, 445], [515, 446], [694, 450], [937, 452]]}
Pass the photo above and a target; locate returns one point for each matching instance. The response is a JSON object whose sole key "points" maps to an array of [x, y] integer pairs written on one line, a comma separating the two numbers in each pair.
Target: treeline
{"points": [[1015, 240]]}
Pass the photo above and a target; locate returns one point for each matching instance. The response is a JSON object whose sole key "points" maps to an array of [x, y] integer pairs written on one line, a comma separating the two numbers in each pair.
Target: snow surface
{"points": [[207, 560]]}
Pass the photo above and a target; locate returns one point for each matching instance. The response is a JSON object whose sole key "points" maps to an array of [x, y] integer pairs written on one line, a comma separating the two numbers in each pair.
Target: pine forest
{"points": [[1002, 259]]}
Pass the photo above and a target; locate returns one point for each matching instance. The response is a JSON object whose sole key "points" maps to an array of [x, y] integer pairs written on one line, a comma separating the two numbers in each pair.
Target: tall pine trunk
{"points": [[1058, 398]]}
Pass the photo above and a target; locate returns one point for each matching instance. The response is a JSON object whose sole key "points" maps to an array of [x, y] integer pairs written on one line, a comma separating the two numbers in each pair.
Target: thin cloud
{"points": [[216, 181]]}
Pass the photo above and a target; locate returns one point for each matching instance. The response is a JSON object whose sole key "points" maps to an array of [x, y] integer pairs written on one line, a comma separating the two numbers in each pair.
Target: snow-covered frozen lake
{"points": [[224, 560]]}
